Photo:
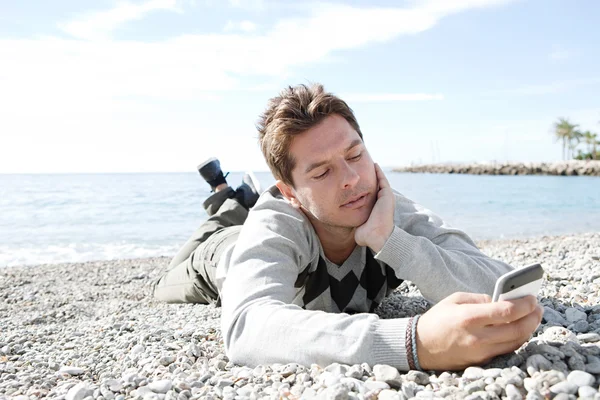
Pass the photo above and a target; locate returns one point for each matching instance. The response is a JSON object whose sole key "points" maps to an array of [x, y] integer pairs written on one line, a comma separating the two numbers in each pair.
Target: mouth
{"points": [[356, 201]]}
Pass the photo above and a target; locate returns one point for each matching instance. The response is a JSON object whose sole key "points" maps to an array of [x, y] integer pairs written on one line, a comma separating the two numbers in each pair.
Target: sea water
{"points": [[81, 217]]}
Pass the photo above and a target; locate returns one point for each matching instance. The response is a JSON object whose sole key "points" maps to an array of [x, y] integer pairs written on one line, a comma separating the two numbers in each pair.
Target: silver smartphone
{"points": [[519, 283]]}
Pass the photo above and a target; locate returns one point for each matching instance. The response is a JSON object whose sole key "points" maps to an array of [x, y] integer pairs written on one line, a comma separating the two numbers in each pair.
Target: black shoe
{"points": [[210, 170], [249, 191]]}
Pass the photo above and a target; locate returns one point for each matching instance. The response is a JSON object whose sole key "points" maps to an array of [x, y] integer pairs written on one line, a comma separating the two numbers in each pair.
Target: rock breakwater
{"points": [[568, 168]]}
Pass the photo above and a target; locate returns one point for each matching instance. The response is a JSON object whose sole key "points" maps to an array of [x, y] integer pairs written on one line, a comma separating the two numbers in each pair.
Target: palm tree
{"points": [[574, 141], [590, 140], [565, 131]]}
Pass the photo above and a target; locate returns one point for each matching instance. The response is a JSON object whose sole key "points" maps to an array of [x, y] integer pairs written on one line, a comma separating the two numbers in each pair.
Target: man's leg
{"points": [[190, 275]]}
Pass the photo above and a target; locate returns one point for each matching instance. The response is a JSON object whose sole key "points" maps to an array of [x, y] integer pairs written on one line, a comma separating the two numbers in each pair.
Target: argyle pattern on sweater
{"points": [[360, 290]]}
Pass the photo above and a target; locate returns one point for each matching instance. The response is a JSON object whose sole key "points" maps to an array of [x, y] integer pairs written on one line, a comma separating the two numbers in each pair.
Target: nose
{"points": [[350, 176]]}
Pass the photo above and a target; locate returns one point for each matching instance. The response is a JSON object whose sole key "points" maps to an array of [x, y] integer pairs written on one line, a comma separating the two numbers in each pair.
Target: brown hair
{"points": [[296, 110]]}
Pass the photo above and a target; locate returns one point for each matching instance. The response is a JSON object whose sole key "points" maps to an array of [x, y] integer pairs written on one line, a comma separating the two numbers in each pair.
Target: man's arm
{"points": [[463, 328], [261, 325], [438, 259], [421, 248]]}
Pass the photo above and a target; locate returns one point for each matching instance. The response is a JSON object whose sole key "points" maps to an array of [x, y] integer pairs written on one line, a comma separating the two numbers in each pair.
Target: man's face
{"points": [[334, 176]]}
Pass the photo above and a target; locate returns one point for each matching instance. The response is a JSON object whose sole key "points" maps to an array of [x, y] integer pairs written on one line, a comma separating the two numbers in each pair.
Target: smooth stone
{"points": [[581, 378], [376, 385], [494, 388], [388, 374], [534, 395], [137, 349], [355, 372], [473, 373], [492, 372], [223, 383], [589, 337], [114, 385], [574, 315], [536, 363], [587, 391], [336, 368], [106, 393], [551, 315], [75, 371], [564, 387], [475, 386], [420, 378], [161, 386], [289, 369], [387, 394], [581, 327], [143, 391], [593, 368], [530, 384], [577, 362], [166, 360], [409, 389], [79, 392], [512, 393]]}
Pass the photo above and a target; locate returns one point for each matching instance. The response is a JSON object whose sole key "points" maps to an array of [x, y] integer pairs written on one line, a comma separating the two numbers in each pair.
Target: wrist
{"points": [[421, 348], [378, 241], [411, 344]]}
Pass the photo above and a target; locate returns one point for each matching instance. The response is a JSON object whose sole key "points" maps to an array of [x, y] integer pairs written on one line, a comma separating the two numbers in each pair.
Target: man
{"points": [[322, 248]]}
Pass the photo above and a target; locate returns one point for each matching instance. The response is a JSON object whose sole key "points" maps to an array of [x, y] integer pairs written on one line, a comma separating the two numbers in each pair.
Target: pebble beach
{"points": [[92, 331]]}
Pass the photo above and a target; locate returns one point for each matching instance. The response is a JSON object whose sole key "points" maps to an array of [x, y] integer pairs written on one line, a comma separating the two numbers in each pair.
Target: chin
{"points": [[360, 217]]}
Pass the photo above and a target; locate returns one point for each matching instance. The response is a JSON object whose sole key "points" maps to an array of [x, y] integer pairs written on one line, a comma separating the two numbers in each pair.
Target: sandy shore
{"points": [[92, 329]]}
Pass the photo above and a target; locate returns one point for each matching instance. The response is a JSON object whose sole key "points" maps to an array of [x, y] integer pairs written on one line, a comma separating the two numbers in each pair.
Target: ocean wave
{"points": [[77, 252]]}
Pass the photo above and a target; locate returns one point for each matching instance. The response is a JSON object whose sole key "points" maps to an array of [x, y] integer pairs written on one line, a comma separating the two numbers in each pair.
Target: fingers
{"points": [[468, 298], [516, 331], [500, 312], [381, 178]]}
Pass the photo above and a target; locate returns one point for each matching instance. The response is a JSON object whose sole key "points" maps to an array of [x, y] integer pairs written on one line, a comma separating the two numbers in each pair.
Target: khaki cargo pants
{"points": [[190, 277]]}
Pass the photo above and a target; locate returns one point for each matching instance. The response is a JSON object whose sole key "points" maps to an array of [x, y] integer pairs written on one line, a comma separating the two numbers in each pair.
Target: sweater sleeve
{"points": [[438, 259], [260, 323]]}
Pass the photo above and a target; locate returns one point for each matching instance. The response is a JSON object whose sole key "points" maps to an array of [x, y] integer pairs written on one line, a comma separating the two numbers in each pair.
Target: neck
{"points": [[337, 242]]}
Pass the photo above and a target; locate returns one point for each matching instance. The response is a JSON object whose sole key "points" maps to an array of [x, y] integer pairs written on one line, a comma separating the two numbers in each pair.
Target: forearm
{"points": [[440, 269], [273, 332]]}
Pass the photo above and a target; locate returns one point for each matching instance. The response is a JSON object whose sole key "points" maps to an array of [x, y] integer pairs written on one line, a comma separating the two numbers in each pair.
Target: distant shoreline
{"points": [[564, 168]]}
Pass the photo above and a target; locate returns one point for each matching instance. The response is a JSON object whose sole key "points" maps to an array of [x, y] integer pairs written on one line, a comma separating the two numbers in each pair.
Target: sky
{"points": [[161, 85]]}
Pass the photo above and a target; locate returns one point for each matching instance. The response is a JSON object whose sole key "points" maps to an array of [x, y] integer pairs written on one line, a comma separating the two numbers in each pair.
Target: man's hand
{"points": [[378, 228], [467, 329]]}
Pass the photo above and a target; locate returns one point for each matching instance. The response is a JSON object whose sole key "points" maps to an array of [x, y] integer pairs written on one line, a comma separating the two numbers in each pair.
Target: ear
{"points": [[287, 192]]}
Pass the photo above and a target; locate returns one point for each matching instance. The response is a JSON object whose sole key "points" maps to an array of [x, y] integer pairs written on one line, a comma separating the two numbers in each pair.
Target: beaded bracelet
{"points": [[415, 356], [409, 347]]}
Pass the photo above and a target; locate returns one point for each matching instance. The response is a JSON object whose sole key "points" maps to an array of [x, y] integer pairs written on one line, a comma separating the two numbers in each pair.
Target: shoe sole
{"points": [[206, 162]]}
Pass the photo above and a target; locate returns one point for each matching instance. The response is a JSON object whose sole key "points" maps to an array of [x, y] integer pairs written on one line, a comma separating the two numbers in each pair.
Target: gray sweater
{"points": [[284, 301]]}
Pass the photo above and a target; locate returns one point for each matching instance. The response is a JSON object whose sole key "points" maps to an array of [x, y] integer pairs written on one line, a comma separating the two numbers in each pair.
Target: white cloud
{"points": [[389, 97], [67, 89], [61, 73], [100, 25], [244, 26]]}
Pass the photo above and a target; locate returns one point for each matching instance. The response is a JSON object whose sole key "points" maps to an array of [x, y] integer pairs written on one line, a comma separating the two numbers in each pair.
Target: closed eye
{"points": [[322, 175], [356, 157]]}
